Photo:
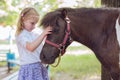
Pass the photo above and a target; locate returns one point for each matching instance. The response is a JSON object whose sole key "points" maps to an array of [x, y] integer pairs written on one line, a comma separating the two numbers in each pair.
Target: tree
{"points": [[111, 3]]}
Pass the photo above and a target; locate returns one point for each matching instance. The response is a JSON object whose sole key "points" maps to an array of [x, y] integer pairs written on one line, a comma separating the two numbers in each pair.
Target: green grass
{"points": [[74, 48], [77, 66], [3, 63], [5, 42]]}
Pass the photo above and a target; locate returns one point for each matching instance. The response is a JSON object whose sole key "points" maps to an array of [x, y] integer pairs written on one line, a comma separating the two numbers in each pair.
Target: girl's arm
{"points": [[31, 46]]}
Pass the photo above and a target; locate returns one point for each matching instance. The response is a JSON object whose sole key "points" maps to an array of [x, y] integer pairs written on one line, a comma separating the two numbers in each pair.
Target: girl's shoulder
{"points": [[22, 34]]}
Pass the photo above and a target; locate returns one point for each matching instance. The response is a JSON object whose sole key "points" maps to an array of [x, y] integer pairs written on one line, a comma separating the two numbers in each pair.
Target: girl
{"points": [[30, 45]]}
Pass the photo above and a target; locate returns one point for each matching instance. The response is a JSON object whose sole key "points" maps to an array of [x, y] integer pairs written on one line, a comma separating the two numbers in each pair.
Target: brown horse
{"points": [[94, 28]]}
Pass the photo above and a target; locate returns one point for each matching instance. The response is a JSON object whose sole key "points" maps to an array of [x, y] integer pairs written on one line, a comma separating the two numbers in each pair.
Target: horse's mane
{"points": [[51, 18]]}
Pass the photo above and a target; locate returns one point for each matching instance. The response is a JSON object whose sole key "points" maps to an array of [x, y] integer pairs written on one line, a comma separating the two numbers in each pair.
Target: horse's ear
{"points": [[64, 13]]}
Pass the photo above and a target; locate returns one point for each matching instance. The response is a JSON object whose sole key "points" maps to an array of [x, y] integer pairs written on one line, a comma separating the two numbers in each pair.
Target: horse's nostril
{"points": [[43, 56]]}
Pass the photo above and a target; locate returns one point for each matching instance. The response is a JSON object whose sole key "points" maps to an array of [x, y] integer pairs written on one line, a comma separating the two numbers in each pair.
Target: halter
{"points": [[62, 45]]}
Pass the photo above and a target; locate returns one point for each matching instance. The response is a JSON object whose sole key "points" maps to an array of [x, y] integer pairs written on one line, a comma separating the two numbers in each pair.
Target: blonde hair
{"points": [[26, 14]]}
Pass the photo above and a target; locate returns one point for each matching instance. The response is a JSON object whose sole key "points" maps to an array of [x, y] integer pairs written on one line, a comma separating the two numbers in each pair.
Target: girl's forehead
{"points": [[33, 19]]}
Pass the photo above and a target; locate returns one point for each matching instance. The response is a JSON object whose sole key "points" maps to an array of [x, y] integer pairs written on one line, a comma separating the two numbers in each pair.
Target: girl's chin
{"points": [[31, 29]]}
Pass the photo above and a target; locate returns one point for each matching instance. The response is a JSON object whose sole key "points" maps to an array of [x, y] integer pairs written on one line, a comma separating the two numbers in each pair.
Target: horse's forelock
{"points": [[50, 19]]}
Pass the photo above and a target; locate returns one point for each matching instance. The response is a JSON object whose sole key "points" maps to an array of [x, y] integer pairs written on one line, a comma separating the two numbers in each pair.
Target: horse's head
{"points": [[54, 44]]}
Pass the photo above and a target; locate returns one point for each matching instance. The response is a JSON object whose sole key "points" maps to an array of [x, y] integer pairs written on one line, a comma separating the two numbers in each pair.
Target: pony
{"points": [[92, 27]]}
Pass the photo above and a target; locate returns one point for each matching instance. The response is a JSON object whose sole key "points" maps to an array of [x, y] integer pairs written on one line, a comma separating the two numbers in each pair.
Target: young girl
{"points": [[30, 45]]}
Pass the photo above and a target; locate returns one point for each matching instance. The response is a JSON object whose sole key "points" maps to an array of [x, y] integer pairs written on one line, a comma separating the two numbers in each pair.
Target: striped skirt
{"points": [[34, 71]]}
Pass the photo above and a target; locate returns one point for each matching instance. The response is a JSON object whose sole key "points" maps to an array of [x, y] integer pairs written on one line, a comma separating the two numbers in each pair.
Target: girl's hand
{"points": [[48, 30]]}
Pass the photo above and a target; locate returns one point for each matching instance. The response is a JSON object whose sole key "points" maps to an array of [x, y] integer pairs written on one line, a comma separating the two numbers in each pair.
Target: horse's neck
{"points": [[83, 34], [79, 37], [89, 29]]}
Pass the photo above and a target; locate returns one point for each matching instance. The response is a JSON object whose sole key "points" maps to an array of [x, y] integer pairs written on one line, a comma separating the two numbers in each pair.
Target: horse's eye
{"points": [[56, 30]]}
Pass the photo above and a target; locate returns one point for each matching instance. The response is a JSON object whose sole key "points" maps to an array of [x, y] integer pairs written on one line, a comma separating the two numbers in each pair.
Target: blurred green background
{"points": [[10, 9]]}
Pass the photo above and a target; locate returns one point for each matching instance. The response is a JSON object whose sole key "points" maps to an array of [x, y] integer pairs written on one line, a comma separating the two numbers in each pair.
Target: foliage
{"points": [[88, 3], [13, 7], [2, 4], [10, 19], [97, 3], [111, 3]]}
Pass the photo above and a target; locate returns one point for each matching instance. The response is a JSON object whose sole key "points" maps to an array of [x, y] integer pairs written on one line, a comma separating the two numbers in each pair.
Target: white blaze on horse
{"points": [[117, 26]]}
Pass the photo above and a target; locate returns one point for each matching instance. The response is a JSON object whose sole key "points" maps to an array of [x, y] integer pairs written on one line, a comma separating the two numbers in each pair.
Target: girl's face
{"points": [[29, 24]]}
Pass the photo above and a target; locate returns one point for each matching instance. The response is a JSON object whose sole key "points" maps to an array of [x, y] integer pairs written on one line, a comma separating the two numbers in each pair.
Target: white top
{"points": [[27, 57]]}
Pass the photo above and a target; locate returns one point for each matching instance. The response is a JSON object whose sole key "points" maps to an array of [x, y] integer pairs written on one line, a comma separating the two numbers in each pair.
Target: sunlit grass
{"points": [[77, 66], [74, 48], [3, 63]]}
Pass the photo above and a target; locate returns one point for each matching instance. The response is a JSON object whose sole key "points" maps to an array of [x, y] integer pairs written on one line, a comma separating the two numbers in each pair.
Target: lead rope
{"points": [[59, 59]]}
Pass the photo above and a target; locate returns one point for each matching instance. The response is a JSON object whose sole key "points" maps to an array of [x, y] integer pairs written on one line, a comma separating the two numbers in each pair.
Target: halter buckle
{"points": [[67, 19], [61, 47]]}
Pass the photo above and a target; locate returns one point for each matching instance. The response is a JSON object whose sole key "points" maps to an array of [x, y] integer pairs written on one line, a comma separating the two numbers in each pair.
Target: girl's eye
{"points": [[32, 23]]}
